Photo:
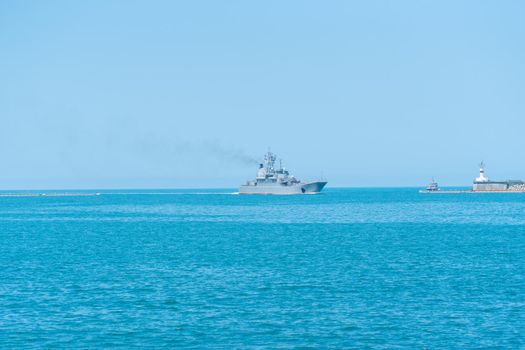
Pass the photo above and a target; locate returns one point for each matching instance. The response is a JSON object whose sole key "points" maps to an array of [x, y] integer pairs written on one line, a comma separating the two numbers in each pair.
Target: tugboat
{"points": [[272, 180], [432, 187]]}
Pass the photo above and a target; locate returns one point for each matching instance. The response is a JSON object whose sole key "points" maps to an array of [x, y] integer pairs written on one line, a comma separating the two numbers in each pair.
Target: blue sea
{"points": [[348, 268]]}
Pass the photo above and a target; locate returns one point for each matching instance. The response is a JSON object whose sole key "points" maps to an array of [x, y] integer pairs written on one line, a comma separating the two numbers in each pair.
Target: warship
{"points": [[272, 180]]}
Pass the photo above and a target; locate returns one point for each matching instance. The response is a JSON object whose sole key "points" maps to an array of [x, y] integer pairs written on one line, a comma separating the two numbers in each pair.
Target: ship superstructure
{"points": [[277, 180]]}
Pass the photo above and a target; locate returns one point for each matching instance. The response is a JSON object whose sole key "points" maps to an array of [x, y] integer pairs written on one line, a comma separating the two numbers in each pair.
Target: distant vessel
{"points": [[432, 187], [272, 180]]}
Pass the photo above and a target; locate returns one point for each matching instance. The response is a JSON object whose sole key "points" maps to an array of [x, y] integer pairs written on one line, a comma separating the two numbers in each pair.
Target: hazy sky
{"points": [[124, 94]]}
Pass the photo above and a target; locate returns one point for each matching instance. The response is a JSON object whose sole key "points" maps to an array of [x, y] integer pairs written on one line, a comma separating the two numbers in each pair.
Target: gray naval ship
{"points": [[270, 180]]}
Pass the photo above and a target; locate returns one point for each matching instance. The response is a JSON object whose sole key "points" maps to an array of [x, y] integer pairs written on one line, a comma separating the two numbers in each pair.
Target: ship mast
{"points": [[269, 160]]}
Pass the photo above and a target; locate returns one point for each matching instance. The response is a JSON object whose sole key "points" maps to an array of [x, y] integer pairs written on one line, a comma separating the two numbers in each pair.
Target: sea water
{"points": [[348, 268]]}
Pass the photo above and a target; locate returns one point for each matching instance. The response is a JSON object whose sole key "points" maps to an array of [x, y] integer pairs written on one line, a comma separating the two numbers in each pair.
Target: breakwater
{"points": [[51, 194]]}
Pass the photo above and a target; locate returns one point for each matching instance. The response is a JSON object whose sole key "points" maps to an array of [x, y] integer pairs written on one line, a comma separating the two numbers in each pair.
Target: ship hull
{"points": [[302, 188]]}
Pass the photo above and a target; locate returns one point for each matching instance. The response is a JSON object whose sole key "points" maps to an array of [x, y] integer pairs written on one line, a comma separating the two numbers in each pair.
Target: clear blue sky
{"points": [[124, 94]]}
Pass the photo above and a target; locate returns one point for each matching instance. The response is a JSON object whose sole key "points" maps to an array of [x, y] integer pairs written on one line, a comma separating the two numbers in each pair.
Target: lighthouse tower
{"points": [[481, 177]]}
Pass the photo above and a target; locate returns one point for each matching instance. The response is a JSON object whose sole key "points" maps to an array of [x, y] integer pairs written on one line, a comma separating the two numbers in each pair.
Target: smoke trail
{"points": [[162, 150], [229, 154]]}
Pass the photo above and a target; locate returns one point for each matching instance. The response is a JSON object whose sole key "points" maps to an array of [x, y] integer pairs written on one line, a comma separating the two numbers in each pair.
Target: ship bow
{"points": [[314, 187]]}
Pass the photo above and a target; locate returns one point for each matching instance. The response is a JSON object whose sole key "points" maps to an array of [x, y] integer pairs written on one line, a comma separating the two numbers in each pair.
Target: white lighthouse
{"points": [[482, 177], [483, 184]]}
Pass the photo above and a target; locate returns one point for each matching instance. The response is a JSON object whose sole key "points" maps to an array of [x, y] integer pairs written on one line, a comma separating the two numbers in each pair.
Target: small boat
{"points": [[432, 187]]}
